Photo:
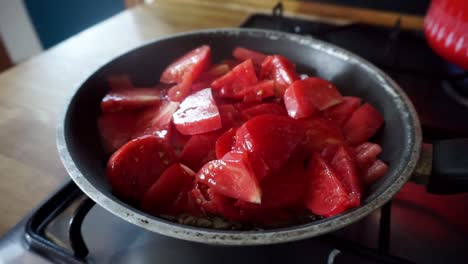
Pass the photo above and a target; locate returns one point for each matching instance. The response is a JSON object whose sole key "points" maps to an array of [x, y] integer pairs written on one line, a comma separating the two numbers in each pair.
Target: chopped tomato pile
{"points": [[246, 139]]}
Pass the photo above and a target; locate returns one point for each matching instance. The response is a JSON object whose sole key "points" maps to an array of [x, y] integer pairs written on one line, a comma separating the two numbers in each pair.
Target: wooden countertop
{"points": [[33, 93]]}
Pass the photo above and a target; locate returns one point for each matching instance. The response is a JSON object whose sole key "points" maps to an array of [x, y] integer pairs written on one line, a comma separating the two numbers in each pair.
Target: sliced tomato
{"points": [[197, 114], [156, 121], [304, 97], [199, 150], [344, 165], [233, 84], [199, 201], [362, 124], [263, 109], [341, 112], [224, 206], [283, 189], [230, 116], [272, 137], [130, 99], [366, 154], [325, 194], [243, 54], [259, 166], [206, 78], [191, 64], [178, 140], [279, 69], [225, 142], [179, 91], [231, 176], [116, 129], [135, 166], [259, 91], [168, 191], [320, 133], [376, 170]]}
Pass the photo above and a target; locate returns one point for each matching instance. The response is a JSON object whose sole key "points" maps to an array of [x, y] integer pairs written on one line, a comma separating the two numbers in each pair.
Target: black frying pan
{"points": [[85, 160]]}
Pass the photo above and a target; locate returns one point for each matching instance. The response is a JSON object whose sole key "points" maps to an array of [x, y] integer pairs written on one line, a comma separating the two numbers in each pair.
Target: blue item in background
{"points": [[56, 20]]}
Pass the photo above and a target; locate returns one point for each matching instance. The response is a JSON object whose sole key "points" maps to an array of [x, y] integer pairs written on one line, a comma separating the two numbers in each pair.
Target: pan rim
{"points": [[263, 237]]}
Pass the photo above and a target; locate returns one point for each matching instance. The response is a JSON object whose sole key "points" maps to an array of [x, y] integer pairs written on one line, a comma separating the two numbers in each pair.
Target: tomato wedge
{"points": [[130, 99], [233, 84], [343, 164], [320, 133], [199, 150], [259, 91], [272, 137], [376, 170], [197, 114], [168, 191], [243, 54], [366, 154], [362, 124], [231, 176], [325, 195], [305, 97], [191, 64], [116, 129], [134, 167], [225, 142], [279, 69], [263, 109], [341, 112], [156, 120]]}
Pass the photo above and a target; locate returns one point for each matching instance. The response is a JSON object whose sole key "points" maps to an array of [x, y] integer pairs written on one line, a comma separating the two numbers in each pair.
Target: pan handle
{"points": [[443, 166]]}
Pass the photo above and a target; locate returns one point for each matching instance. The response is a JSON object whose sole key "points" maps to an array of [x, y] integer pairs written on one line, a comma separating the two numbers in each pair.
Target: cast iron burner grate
{"points": [[70, 194]]}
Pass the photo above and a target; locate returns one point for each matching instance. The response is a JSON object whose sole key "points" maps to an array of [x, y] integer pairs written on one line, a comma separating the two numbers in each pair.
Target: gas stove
{"points": [[415, 227]]}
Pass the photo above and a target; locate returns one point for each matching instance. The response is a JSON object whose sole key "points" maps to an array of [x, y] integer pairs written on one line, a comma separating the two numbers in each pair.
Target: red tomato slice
{"points": [[341, 112], [279, 69], [366, 154], [178, 92], [231, 176], [259, 166], [199, 150], [233, 84], [230, 116], [362, 124], [168, 190], [320, 133], [259, 91], [243, 54], [192, 63], [273, 138], [284, 189], [206, 78], [156, 121], [325, 195], [344, 166], [130, 99], [224, 206], [263, 109], [178, 140], [197, 114], [225, 142], [375, 172], [304, 97], [134, 167], [116, 129]]}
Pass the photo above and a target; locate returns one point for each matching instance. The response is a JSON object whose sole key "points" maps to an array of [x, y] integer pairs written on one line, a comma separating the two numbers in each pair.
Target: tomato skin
{"points": [[243, 54], [344, 166], [230, 116], [130, 99], [199, 150], [325, 195], [231, 176], [283, 189], [134, 167], [262, 134], [375, 171], [233, 83], [341, 112], [197, 114], [305, 97], [366, 154], [259, 91], [319, 133], [263, 109], [156, 121], [168, 194], [279, 69], [225, 142], [362, 124], [191, 64]]}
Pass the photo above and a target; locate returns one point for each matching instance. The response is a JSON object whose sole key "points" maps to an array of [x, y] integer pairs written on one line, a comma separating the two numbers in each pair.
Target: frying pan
{"points": [[85, 160]]}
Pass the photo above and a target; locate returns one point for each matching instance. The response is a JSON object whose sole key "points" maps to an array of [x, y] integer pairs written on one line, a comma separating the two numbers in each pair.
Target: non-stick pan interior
{"points": [[352, 76]]}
